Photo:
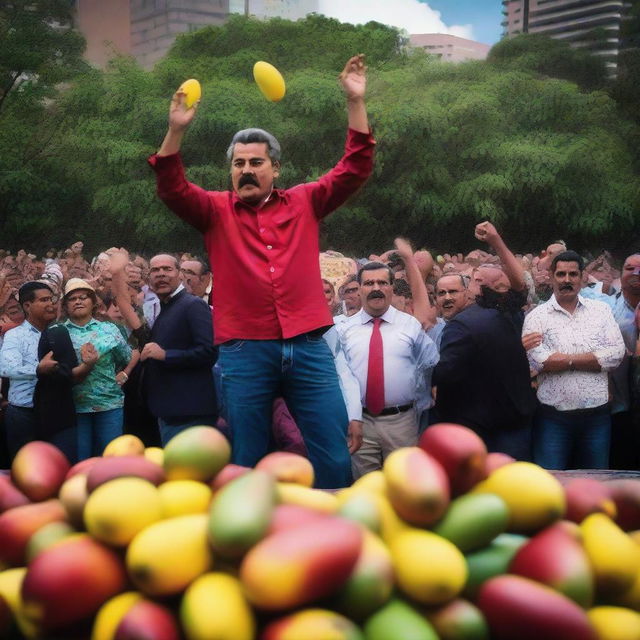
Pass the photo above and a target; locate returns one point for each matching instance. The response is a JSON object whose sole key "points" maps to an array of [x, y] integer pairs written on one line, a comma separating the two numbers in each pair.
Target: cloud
{"points": [[412, 15]]}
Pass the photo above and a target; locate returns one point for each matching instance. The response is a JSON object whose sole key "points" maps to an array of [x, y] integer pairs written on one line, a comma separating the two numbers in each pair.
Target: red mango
{"points": [[10, 495], [417, 486], [82, 467], [38, 470], [517, 607], [227, 474], [288, 467], [460, 451], [113, 467], [586, 496], [626, 497], [555, 557], [288, 516], [293, 568], [148, 619], [18, 525], [495, 460], [68, 582]]}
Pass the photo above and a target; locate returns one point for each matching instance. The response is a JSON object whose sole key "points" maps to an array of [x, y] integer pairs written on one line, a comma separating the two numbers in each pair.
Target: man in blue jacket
{"points": [[178, 361]]}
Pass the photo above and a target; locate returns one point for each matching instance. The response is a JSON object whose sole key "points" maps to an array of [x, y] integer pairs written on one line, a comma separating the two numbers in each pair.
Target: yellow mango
{"points": [[214, 608]]}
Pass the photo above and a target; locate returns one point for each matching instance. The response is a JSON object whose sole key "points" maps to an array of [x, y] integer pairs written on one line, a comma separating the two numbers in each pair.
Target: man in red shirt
{"points": [[269, 308]]}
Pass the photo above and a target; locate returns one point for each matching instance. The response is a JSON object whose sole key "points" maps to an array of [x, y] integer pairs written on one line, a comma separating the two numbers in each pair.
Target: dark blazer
{"points": [[53, 395], [483, 375], [182, 385]]}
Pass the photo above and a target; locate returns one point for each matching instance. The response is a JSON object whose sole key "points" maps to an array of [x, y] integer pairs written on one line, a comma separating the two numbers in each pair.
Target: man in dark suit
{"points": [[483, 379], [179, 359]]}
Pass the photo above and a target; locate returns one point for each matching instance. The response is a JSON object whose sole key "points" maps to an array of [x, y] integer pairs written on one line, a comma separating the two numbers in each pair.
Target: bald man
{"points": [[178, 361]]}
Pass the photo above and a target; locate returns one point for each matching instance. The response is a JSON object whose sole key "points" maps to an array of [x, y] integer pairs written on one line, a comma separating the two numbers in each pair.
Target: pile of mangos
{"points": [[446, 542]]}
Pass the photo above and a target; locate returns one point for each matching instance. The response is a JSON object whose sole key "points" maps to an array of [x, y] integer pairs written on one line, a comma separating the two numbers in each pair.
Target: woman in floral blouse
{"points": [[103, 355]]}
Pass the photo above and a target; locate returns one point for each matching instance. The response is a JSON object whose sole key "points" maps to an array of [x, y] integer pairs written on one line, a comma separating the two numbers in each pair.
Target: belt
{"points": [[390, 411]]}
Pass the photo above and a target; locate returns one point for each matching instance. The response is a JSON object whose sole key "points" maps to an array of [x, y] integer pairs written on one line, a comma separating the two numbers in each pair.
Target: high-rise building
{"points": [[147, 28], [288, 9], [450, 48], [593, 24]]}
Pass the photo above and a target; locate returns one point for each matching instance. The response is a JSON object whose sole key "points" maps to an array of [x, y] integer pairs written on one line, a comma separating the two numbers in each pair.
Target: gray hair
{"points": [[247, 136]]}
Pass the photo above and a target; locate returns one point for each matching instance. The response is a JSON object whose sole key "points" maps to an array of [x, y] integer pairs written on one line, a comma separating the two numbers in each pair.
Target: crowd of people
{"points": [[340, 359]]}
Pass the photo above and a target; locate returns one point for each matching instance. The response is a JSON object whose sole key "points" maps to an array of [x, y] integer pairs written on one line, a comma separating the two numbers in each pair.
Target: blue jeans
{"points": [[96, 430], [21, 426], [168, 430], [302, 371], [576, 440]]}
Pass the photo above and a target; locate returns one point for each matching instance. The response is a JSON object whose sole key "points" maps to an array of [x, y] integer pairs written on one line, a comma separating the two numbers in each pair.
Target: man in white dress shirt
{"points": [[388, 351], [581, 342]]}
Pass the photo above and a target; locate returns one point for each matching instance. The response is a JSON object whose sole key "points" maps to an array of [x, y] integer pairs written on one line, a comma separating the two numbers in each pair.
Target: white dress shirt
{"points": [[591, 328], [408, 353]]}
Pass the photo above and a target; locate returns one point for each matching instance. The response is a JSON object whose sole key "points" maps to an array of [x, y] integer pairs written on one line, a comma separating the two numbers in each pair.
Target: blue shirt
{"points": [[19, 361]]}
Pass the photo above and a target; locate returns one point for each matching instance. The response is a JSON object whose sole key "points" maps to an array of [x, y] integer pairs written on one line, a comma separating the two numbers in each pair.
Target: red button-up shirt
{"points": [[265, 260]]}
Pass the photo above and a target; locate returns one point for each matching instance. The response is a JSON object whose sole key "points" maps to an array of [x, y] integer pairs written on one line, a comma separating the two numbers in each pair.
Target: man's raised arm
{"points": [[179, 120], [354, 84]]}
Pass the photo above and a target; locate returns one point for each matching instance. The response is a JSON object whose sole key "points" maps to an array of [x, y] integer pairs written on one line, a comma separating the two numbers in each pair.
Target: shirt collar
{"points": [[388, 316], [179, 288], [555, 305], [27, 325], [90, 325]]}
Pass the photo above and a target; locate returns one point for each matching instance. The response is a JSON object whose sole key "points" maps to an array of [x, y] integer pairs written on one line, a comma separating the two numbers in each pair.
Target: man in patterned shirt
{"points": [[581, 342]]}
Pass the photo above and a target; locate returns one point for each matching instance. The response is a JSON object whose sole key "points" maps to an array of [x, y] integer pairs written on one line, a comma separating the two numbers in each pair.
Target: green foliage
{"points": [[550, 57], [517, 140]]}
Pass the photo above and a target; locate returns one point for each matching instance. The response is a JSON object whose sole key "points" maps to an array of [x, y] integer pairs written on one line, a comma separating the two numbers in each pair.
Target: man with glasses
{"points": [[19, 362], [388, 352]]}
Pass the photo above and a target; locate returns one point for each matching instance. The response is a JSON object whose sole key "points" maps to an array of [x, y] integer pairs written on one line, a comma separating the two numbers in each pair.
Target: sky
{"points": [[473, 19]]}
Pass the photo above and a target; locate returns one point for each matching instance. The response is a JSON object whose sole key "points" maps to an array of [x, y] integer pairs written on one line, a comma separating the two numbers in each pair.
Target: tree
{"points": [[550, 57], [541, 157], [38, 51]]}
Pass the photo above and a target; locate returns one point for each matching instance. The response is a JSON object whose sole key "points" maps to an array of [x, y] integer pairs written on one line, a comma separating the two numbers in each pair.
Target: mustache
{"points": [[566, 287], [375, 294], [247, 179]]}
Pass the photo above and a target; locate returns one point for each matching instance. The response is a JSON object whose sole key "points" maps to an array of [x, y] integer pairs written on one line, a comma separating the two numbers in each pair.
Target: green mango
{"points": [[473, 520], [397, 620], [491, 561], [241, 513]]}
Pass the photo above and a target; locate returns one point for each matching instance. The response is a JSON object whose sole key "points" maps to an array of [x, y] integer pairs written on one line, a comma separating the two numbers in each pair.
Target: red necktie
{"points": [[375, 373]]}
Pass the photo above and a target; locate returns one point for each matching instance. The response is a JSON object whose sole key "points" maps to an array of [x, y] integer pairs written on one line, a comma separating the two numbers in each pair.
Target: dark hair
{"points": [[568, 256], [28, 290], [374, 266], [401, 288], [246, 136]]}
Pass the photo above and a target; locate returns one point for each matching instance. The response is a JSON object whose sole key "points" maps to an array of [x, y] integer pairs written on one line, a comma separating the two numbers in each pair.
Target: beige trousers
{"points": [[382, 435]]}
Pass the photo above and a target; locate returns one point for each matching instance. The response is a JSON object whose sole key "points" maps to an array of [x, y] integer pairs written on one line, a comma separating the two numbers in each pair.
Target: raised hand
{"points": [[486, 232], [179, 116], [354, 77], [404, 248]]}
